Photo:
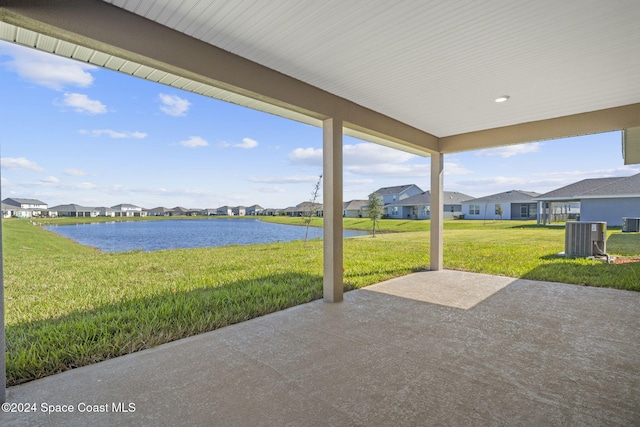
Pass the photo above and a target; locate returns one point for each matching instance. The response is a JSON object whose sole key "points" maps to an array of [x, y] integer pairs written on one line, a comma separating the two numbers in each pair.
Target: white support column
{"points": [[437, 211], [332, 205]]}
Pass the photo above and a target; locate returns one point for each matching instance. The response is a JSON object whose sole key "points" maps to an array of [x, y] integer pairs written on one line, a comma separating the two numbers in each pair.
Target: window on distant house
{"points": [[394, 197], [394, 210], [426, 211], [474, 209]]}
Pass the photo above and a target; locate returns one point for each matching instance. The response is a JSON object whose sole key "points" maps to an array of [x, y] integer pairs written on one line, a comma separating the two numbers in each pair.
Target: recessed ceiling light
{"points": [[503, 98]]}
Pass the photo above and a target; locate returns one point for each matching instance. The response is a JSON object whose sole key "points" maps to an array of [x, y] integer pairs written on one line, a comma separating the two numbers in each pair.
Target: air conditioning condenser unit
{"points": [[630, 225], [585, 238]]}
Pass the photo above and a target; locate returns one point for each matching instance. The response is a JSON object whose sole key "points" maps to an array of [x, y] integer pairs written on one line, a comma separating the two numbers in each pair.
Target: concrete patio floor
{"points": [[434, 348]]}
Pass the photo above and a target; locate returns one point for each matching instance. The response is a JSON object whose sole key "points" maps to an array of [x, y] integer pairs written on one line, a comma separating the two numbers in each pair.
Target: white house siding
{"points": [[609, 210]]}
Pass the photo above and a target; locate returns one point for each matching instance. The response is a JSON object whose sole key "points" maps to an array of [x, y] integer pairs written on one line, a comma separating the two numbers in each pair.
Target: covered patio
{"points": [[420, 76], [431, 348]]}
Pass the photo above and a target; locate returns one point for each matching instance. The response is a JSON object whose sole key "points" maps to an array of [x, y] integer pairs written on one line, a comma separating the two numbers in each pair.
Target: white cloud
{"points": [[173, 105], [455, 168], [114, 134], [47, 69], [293, 179], [306, 156], [50, 180], [193, 142], [510, 150], [367, 159], [19, 163], [247, 143], [74, 172], [82, 104], [367, 154]]}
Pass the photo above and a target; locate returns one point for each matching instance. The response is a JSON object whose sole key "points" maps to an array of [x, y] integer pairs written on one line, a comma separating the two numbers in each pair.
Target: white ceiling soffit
{"points": [[29, 38], [435, 65]]}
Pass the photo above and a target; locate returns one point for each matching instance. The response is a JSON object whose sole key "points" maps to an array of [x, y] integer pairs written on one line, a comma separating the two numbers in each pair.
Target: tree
{"points": [[499, 211], [312, 209], [375, 207]]}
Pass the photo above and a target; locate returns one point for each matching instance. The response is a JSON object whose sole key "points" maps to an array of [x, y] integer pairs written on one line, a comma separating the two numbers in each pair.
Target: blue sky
{"points": [[74, 133]]}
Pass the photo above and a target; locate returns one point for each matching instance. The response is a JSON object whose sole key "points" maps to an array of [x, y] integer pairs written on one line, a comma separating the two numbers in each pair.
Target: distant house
{"points": [[225, 210], [104, 211], [272, 212], [395, 194], [254, 210], [239, 211], [303, 209], [513, 204], [178, 211], [24, 208], [73, 210], [353, 208], [419, 206], [159, 211], [600, 199], [128, 210], [209, 212]]}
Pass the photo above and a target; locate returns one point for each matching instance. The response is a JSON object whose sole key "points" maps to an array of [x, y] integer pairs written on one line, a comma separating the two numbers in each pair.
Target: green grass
{"points": [[68, 305]]}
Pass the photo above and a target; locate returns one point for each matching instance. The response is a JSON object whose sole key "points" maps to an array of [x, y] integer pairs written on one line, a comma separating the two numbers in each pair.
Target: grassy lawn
{"points": [[68, 305]]}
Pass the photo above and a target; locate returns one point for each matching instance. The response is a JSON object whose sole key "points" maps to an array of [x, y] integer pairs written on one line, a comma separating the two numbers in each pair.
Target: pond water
{"points": [[172, 234]]}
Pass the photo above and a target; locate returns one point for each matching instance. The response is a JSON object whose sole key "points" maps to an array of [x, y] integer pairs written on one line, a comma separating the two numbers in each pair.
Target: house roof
{"points": [[354, 205], [125, 205], [71, 207], [629, 186], [395, 190], [424, 198], [610, 186], [511, 196], [562, 64], [24, 201], [309, 205], [159, 209]]}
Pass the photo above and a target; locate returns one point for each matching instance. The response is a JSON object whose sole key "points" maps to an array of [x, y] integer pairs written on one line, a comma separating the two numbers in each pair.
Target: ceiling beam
{"points": [[115, 31], [608, 120]]}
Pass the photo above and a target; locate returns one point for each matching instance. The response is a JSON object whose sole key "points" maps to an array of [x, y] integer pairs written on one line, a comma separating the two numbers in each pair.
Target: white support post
{"points": [[332, 205], [437, 211]]}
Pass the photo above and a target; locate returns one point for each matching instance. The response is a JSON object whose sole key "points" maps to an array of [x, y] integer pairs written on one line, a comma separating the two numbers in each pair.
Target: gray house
{"points": [[225, 210], [600, 199], [304, 209], [419, 205], [354, 208], [254, 210], [397, 193], [74, 210], [513, 204], [159, 211]]}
